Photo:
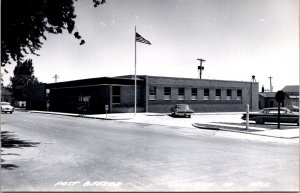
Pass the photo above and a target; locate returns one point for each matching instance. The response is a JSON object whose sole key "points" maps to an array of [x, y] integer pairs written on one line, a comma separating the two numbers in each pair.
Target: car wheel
{"points": [[189, 116], [298, 122], [259, 121], [10, 112]]}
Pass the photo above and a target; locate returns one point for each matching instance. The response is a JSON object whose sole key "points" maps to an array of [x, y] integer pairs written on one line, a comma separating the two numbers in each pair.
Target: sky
{"points": [[237, 38]]}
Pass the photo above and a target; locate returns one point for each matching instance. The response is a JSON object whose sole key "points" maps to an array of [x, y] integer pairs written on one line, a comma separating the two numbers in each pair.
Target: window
{"points": [[218, 94], [152, 93], [167, 93], [228, 94], [206, 94], [239, 95], [275, 111], [116, 91], [180, 93], [194, 94]]}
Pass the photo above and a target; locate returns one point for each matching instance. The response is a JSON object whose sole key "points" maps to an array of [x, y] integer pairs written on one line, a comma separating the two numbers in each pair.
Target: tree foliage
{"points": [[23, 77], [25, 22]]}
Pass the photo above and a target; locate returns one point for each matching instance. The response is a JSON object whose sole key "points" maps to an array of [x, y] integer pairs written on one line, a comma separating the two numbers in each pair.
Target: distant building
{"points": [[154, 94], [267, 99], [6, 95], [292, 95]]}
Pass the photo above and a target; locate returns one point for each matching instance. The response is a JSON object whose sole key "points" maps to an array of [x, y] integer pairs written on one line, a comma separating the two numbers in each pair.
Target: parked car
{"points": [[271, 115], [294, 108], [6, 107], [181, 110]]}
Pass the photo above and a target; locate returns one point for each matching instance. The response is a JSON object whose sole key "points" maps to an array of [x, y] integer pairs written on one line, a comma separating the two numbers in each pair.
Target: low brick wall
{"points": [[127, 109]]}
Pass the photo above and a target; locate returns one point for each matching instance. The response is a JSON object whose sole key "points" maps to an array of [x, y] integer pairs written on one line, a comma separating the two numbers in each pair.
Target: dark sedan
{"points": [[181, 110], [271, 115]]}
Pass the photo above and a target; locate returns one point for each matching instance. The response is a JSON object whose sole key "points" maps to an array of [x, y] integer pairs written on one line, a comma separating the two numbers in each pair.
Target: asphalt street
{"points": [[43, 152]]}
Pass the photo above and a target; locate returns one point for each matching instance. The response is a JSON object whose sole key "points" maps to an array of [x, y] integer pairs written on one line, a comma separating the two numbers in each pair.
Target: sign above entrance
{"points": [[84, 98]]}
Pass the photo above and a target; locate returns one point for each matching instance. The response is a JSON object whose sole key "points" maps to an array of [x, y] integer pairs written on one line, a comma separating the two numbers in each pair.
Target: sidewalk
{"points": [[222, 122]]}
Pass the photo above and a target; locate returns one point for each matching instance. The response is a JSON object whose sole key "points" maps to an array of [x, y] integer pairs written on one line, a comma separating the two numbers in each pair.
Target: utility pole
{"points": [[55, 77], [271, 87], [200, 68]]}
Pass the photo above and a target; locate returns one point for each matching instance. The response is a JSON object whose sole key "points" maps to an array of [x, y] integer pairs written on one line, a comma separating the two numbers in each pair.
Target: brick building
{"points": [[154, 94], [291, 95], [267, 99]]}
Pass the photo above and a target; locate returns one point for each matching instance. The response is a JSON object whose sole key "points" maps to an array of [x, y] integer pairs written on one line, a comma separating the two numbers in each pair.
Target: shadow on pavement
{"points": [[155, 115], [9, 140], [176, 116], [8, 166]]}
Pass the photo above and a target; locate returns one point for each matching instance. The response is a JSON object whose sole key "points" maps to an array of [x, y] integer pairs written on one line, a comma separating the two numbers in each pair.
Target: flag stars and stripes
{"points": [[139, 38]]}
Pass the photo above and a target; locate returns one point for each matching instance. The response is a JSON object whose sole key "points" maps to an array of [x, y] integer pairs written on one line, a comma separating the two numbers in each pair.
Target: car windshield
{"points": [[182, 106], [274, 111], [4, 103]]}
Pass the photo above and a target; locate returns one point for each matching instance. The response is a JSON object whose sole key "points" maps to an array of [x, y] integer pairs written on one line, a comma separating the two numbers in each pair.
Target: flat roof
{"points": [[197, 79], [95, 81], [126, 80], [267, 94]]}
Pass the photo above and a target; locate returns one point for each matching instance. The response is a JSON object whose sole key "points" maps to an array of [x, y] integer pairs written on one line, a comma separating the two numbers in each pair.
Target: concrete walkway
{"points": [[227, 122]]}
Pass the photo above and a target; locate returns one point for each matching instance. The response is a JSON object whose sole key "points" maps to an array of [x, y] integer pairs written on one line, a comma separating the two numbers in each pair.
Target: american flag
{"points": [[139, 38]]}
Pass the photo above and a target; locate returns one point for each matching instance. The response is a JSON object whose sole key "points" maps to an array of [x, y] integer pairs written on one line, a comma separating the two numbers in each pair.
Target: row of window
{"points": [[194, 91]]}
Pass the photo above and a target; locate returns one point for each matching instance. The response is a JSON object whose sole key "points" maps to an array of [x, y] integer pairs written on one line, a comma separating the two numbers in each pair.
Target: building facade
{"points": [[291, 95], [268, 99], [6, 95], [202, 95], [154, 94]]}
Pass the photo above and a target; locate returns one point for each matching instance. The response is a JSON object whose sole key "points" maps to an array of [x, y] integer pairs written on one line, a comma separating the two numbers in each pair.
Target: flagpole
{"points": [[134, 70]]}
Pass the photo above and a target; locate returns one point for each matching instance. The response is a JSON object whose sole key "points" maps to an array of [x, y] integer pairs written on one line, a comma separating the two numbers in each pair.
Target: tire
{"points": [[189, 116], [10, 112], [259, 121], [297, 122]]}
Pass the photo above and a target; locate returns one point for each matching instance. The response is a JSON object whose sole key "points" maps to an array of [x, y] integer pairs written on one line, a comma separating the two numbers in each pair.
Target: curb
{"points": [[77, 115], [208, 127], [50, 113], [236, 131], [20, 110]]}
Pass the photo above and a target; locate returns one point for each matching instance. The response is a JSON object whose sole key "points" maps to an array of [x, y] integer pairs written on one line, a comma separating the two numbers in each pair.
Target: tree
{"points": [[23, 77], [25, 22]]}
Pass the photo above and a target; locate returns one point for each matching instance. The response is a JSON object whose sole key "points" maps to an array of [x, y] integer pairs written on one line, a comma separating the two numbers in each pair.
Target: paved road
{"points": [[43, 152]]}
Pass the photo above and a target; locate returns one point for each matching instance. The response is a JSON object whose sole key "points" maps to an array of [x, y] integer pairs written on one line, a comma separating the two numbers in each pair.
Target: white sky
{"points": [[238, 39]]}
